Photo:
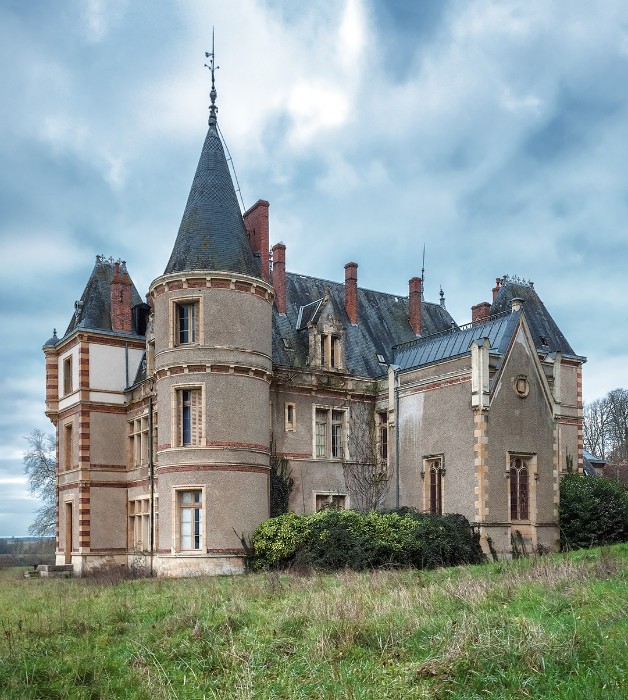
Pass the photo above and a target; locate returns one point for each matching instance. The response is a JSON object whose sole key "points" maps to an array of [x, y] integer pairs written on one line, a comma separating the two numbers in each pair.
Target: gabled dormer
{"points": [[326, 333]]}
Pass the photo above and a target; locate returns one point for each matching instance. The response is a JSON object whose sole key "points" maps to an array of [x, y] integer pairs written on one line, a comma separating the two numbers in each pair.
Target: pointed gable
{"points": [[212, 235]]}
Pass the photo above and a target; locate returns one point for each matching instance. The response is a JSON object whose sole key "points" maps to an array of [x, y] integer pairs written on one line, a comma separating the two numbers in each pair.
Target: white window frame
{"points": [[197, 321], [330, 423], [177, 509]]}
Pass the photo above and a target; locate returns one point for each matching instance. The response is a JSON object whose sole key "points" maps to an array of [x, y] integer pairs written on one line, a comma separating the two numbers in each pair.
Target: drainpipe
{"points": [[394, 370], [151, 480]]}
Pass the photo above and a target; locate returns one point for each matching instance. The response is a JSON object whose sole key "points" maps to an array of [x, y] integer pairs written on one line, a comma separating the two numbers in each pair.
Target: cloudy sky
{"points": [[495, 133]]}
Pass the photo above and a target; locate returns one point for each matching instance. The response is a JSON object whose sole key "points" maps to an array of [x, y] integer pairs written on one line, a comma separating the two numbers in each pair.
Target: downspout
{"points": [[151, 481], [126, 364], [397, 428]]}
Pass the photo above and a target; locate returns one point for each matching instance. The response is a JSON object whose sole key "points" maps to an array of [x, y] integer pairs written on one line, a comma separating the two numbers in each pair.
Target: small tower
{"points": [[212, 369]]}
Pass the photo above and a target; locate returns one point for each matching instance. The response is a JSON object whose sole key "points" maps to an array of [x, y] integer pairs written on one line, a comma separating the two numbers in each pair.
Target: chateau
{"points": [[168, 412]]}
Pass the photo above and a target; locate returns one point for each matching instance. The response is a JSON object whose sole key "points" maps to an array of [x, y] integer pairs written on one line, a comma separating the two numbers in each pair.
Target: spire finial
{"points": [[212, 93], [423, 276]]}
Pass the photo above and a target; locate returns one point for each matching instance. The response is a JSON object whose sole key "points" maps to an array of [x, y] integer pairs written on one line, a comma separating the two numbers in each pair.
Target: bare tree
{"points": [[606, 426], [40, 465], [617, 402], [596, 428], [366, 475]]}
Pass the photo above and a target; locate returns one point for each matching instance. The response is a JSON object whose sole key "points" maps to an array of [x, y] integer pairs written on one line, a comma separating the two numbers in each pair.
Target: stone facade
{"points": [[167, 411]]}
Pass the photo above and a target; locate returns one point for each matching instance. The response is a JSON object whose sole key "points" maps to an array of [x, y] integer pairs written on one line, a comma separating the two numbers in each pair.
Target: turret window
{"points": [[186, 322], [189, 429]]}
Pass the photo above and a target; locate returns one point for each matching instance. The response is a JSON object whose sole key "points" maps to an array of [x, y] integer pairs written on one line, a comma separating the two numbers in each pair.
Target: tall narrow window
{"points": [[321, 433], [190, 514], [519, 489], [186, 323], [67, 446], [290, 416], [337, 418], [67, 376], [434, 473], [383, 437], [330, 351], [189, 417]]}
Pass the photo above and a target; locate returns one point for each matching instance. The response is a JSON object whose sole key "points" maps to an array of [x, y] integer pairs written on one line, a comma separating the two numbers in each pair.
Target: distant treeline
{"points": [[26, 551]]}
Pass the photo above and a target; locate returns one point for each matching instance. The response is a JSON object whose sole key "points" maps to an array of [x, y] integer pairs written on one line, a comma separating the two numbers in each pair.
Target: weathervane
{"points": [[212, 93]]}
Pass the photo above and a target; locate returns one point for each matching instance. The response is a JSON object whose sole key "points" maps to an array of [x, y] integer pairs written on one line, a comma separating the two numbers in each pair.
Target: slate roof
{"points": [[457, 341], [546, 334], [383, 322], [93, 310], [212, 235], [498, 328]]}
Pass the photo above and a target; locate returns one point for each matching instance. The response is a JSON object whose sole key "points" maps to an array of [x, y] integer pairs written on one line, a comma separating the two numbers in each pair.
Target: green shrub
{"points": [[337, 539], [593, 512]]}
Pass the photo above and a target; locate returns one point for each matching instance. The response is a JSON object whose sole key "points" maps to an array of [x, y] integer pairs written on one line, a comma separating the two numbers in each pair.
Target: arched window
{"points": [[434, 470], [519, 489]]}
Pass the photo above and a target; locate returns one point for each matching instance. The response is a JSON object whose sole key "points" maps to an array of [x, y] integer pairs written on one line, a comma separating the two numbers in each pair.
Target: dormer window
{"points": [[331, 351]]}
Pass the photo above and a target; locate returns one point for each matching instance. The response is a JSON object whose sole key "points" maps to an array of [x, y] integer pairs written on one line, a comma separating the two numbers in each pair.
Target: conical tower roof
{"points": [[212, 234]]}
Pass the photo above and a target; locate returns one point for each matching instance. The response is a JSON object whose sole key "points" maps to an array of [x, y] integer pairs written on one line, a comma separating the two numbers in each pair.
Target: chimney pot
{"points": [[351, 292], [256, 224], [480, 312], [279, 276], [414, 303]]}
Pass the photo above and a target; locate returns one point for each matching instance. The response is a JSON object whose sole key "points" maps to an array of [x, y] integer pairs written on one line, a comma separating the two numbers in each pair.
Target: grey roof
{"points": [[545, 332], [93, 310], [593, 459], [212, 235], [382, 323], [457, 341]]}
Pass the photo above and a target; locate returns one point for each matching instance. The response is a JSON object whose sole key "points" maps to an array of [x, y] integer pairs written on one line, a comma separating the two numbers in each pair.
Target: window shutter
{"points": [[196, 417], [179, 435]]}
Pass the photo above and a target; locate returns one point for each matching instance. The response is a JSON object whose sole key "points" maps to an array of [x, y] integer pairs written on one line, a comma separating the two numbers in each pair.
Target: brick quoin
{"points": [[121, 317], [256, 223], [480, 311], [414, 304], [279, 276], [351, 292]]}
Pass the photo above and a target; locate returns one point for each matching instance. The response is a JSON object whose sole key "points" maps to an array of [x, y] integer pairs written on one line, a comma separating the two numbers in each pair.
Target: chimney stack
{"points": [[414, 305], [256, 224], [497, 287], [121, 318], [279, 276], [351, 292], [480, 312]]}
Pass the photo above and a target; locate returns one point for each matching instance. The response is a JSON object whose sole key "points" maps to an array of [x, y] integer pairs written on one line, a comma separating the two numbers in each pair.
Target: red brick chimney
{"points": [[414, 305], [497, 287], [480, 311], [256, 223], [279, 276], [121, 319], [351, 292]]}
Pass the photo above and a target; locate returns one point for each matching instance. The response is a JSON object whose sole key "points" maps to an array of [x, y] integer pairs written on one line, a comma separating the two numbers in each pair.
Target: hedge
{"points": [[338, 539], [593, 512]]}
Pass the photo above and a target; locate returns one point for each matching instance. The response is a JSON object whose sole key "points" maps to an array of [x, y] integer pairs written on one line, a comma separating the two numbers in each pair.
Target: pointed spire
{"points": [[212, 235], [212, 93], [442, 298]]}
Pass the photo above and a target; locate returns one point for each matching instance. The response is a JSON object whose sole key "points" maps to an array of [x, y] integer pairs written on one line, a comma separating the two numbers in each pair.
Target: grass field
{"points": [[549, 627]]}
